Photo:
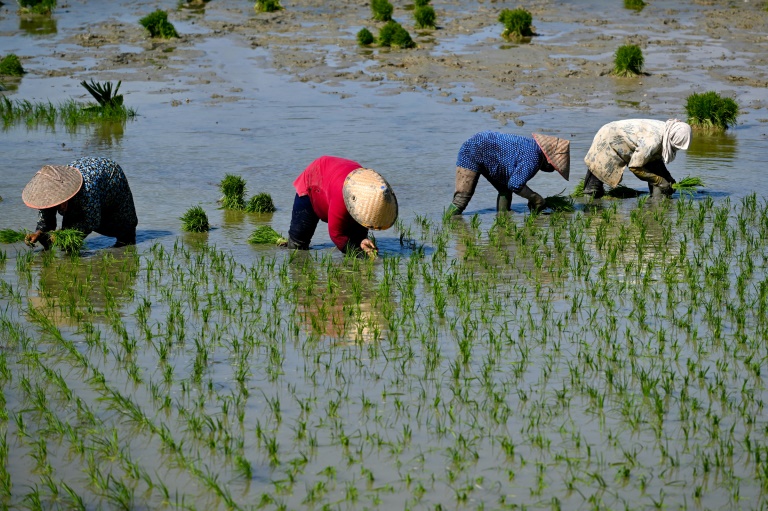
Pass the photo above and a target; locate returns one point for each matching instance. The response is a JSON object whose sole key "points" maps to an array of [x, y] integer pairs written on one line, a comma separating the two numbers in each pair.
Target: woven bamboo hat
{"points": [[369, 199], [52, 185], [557, 151]]}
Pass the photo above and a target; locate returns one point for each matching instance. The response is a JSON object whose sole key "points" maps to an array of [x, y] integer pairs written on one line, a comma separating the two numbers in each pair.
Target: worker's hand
{"points": [[368, 247], [536, 203], [31, 238]]}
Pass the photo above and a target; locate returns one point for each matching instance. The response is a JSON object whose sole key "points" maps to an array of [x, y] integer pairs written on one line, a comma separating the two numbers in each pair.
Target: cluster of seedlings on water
{"points": [[195, 219], [266, 235], [517, 23], [635, 5], [711, 111], [628, 61], [157, 25], [391, 33], [37, 6], [424, 14], [233, 189], [10, 65], [267, 5]]}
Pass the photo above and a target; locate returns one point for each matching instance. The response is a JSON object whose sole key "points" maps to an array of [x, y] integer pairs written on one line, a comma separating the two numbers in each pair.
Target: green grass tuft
{"points": [[67, 240], [636, 5], [12, 235], [10, 65], [710, 111], [195, 220], [382, 10], [393, 34], [260, 203], [267, 5], [365, 37], [158, 25], [265, 235], [424, 16], [517, 23], [233, 188], [628, 60], [70, 113]]}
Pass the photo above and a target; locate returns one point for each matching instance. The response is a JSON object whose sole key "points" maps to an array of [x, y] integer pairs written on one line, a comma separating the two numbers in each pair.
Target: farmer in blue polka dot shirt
{"points": [[508, 162]]}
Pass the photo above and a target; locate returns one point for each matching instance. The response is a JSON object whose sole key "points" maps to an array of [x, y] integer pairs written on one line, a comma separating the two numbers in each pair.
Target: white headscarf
{"points": [[677, 135]]}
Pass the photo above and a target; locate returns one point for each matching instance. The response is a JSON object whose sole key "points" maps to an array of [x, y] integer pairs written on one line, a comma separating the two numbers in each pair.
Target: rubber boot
{"points": [[593, 186], [504, 202], [466, 182]]}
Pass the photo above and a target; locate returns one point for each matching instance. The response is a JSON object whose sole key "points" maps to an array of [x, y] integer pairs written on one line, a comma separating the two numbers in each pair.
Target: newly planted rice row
{"points": [[608, 358]]}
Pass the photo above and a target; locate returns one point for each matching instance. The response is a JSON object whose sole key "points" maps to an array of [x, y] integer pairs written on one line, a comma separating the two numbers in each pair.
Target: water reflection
{"points": [[107, 134], [197, 6], [37, 24], [707, 145]]}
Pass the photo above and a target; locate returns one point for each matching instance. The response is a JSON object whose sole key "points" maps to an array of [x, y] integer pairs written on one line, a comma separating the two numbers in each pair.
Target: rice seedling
{"points": [[266, 235], [628, 61], [365, 37], [10, 65], [69, 113], [636, 5], [103, 93], [12, 235], [37, 6], [195, 219], [393, 34], [267, 6], [260, 203], [688, 185], [559, 202], [424, 16], [158, 25], [382, 10], [233, 189], [578, 190], [517, 23], [710, 111], [70, 241]]}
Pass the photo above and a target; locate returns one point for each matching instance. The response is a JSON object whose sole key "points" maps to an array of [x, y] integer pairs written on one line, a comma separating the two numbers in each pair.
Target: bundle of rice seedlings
{"points": [[688, 185], [103, 93], [10, 65], [365, 37], [158, 25], [382, 10], [266, 235], [517, 23], [559, 202], [710, 111], [260, 203], [67, 240], [267, 5], [424, 16], [37, 6], [623, 192], [579, 190], [394, 34], [636, 5], [12, 235], [233, 188], [628, 60], [195, 220]]}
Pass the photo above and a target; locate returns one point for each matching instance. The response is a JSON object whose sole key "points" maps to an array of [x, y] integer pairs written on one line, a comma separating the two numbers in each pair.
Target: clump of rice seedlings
{"points": [[623, 192], [67, 240], [267, 5], [636, 5], [260, 203], [69, 113], [688, 185], [628, 61], [10, 65], [365, 37], [393, 34], [233, 188], [424, 15], [195, 220], [37, 6], [266, 235], [517, 23], [382, 10], [158, 25], [12, 235], [103, 93], [559, 202], [578, 191], [711, 111]]}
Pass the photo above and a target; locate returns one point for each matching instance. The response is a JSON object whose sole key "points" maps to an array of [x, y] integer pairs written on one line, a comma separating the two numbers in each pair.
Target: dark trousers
{"points": [[303, 223]]}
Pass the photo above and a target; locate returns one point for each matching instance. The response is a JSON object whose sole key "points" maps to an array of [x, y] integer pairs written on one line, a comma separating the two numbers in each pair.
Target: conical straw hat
{"points": [[369, 199], [52, 185], [557, 151]]}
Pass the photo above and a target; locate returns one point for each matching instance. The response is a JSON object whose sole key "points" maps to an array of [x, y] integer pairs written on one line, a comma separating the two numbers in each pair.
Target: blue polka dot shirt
{"points": [[507, 161]]}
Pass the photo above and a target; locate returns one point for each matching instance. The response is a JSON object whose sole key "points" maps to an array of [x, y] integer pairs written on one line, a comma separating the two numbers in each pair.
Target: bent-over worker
{"points": [[643, 145], [349, 197], [91, 195], [508, 162]]}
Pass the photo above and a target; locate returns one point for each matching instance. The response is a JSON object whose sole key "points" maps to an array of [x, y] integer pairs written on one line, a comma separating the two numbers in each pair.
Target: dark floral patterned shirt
{"points": [[104, 204]]}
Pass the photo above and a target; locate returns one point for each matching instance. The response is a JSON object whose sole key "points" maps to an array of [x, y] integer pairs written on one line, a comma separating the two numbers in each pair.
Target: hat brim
{"points": [[369, 199], [52, 185]]}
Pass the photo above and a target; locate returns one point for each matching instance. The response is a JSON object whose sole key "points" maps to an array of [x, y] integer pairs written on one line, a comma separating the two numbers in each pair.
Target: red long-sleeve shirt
{"points": [[323, 181]]}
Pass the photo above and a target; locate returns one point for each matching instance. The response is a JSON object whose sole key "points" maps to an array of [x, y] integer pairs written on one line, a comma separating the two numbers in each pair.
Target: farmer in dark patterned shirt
{"points": [[91, 194], [508, 162]]}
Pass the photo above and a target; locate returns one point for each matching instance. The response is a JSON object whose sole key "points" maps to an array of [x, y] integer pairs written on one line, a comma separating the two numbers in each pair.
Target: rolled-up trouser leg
{"points": [[466, 182], [593, 186], [657, 176], [303, 223]]}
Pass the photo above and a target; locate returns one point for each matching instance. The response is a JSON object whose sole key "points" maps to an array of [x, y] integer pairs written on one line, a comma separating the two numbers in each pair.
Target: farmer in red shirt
{"points": [[350, 198]]}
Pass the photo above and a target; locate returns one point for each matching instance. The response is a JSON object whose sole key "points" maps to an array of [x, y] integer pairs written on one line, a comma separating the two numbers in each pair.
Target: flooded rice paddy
{"points": [[610, 358]]}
